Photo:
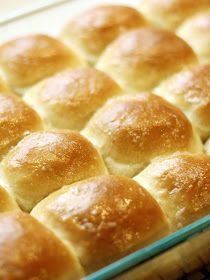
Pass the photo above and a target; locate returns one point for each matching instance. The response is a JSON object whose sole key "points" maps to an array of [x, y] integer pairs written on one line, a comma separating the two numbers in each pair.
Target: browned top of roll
{"points": [[17, 119], [137, 128], [170, 13], [28, 59], [104, 218], [190, 90], [196, 31], [7, 203], [30, 251], [140, 59], [92, 30], [69, 99], [3, 86], [45, 161], [181, 184]]}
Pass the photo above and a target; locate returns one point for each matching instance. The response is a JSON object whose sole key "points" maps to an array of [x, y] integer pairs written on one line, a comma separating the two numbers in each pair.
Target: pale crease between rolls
{"points": [[181, 185], [169, 14], [190, 91], [139, 59], [90, 32], [28, 250], [17, 120], [29, 59], [69, 99], [103, 218], [131, 130], [196, 32], [45, 161]]}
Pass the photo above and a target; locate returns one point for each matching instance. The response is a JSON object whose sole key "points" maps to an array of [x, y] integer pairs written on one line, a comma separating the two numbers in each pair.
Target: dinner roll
{"points": [[17, 119], [131, 130], [7, 203], [28, 250], [3, 86], [181, 185], [138, 60], [90, 32], [169, 14], [196, 31], [45, 161], [103, 218], [69, 99], [26, 60], [190, 91]]}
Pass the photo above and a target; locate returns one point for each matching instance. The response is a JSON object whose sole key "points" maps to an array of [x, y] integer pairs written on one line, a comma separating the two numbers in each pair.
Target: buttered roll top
{"points": [[103, 218], [169, 14], [45, 161], [26, 60], [181, 185], [91, 31], [68, 99], [190, 91], [17, 120], [28, 250], [138, 60], [131, 130]]}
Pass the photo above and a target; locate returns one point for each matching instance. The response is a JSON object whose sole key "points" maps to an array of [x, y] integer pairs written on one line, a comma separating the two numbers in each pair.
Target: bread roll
{"points": [[3, 86], [196, 31], [138, 60], [90, 32], [131, 130], [17, 119], [45, 161], [69, 99], [103, 218], [169, 14], [26, 60], [28, 250], [190, 91], [181, 185], [7, 203]]}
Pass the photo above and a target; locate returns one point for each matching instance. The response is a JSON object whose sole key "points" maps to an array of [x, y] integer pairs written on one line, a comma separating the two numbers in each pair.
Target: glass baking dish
{"points": [[169, 258]]}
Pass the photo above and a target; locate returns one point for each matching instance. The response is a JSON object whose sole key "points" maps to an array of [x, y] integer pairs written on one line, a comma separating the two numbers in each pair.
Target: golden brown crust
{"points": [[135, 129], [28, 59], [169, 14], [91, 31], [3, 86], [45, 161], [138, 60], [196, 31], [181, 185], [30, 251], [104, 218], [190, 91], [7, 203], [69, 99], [17, 120]]}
